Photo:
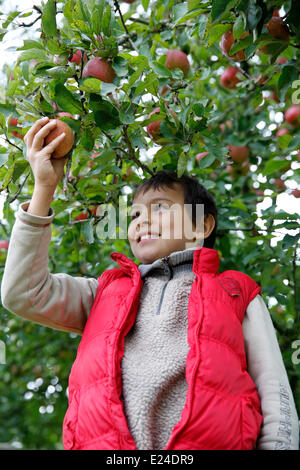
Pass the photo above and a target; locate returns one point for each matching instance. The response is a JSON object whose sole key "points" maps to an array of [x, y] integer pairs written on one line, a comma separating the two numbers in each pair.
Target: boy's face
{"points": [[152, 212]]}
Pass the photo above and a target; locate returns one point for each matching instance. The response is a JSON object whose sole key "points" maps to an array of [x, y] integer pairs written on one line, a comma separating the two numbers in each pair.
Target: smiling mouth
{"points": [[153, 237]]}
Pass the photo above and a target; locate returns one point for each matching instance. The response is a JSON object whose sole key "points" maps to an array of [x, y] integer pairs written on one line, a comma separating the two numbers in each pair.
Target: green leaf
{"points": [[284, 141], [49, 19], [66, 100], [238, 27], [145, 4], [87, 230], [219, 7], [179, 10], [290, 240], [36, 54], [126, 113], [216, 32], [182, 164], [238, 45], [288, 75], [273, 165], [105, 114], [206, 161], [106, 21], [202, 26], [161, 70]]}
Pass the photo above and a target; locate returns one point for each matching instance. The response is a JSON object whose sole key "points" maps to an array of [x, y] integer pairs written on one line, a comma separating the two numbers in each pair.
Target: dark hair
{"points": [[194, 193]]}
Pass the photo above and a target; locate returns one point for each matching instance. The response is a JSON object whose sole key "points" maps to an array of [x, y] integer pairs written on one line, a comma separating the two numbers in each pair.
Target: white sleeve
{"points": [[280, 428]]}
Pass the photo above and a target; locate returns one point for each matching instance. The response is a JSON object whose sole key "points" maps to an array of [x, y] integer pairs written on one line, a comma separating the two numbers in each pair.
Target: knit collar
{"points": [[179, 260]]}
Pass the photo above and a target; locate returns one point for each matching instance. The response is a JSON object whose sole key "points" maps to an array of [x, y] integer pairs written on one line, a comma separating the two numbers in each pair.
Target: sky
{"points": [[13, 39]]}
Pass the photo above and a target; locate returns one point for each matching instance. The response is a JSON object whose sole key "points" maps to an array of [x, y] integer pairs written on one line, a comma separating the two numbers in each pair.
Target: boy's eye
{"points": [[159, 205]]}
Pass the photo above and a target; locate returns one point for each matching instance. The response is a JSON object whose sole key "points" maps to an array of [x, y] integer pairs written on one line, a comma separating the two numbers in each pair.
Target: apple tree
{"points": [[210, 88]]}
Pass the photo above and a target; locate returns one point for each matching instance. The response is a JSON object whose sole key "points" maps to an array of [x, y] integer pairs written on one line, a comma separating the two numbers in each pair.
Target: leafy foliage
{"points": [[110, 119]]}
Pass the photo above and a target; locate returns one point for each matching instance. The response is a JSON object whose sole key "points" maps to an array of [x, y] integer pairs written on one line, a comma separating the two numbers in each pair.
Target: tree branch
{"points": [[124, 25]]}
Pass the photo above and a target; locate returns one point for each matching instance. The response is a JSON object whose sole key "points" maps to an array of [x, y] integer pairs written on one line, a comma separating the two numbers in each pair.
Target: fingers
{"points": [[28, 138], [41, 134], [55, 142]]}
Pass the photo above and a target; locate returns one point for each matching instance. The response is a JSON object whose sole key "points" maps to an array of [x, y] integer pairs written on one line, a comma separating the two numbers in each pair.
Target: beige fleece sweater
{"points": [[63, 302]]}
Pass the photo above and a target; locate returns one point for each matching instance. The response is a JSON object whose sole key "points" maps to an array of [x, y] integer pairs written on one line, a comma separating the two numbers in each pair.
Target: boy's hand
{"points": [[47, 171]]}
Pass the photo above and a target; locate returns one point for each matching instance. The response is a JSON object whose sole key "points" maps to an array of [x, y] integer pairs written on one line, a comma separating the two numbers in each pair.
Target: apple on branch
{"points": [[292, 115], [153, 128], [99, 68], [278, 29], [177, 59], [229, 78], [238, 154], [227, 42]]}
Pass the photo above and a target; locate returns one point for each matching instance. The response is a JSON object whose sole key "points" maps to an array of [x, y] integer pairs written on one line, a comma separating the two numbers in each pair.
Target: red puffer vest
{"points": [[222, 408]]}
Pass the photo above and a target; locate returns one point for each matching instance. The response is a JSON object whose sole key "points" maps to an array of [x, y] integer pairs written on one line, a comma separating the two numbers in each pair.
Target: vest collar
{"points": [[205, 260]]}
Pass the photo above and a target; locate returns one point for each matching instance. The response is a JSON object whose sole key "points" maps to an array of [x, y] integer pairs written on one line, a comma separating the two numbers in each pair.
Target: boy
{"points": [[162, 360]]}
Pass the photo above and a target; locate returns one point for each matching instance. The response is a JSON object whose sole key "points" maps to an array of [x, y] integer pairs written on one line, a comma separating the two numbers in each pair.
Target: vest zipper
{"points": [[190, 390], [167, 270]]}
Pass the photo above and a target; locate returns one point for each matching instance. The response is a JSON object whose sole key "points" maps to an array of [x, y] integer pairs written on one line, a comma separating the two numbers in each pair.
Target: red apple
{"points": [[238, 154], [298, 156], [76, 58], [282, 131], [291, 115], [201, 155], [153, 128], [227, 42], [4, 245], [177, 59], [14, 123], [85, 214], [296, 193], [229, 78], [99, 68], [278, 29]]}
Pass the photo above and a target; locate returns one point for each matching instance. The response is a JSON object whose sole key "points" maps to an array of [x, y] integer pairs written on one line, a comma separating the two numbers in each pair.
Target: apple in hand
{"points": [[65, 146], [177, 59], [238, 154], [292, 114], [99, 68], [229, 78]]}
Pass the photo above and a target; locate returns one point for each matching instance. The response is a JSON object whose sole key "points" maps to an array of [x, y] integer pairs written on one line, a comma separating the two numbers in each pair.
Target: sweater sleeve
{"points": [[280, 428], [29, 290]]}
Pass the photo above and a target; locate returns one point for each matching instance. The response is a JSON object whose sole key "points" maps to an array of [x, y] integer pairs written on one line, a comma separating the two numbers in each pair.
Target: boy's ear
{"points": [[208, 226]]}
